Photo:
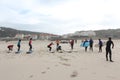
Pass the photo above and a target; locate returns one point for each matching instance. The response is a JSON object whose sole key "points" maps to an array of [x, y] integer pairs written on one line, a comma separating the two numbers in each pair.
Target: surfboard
{"points": [[85, 45], [18, 52], [29, 52]]}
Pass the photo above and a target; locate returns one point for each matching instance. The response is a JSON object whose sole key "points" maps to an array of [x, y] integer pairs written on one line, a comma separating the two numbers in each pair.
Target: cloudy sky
{"points": [[60, 16]]}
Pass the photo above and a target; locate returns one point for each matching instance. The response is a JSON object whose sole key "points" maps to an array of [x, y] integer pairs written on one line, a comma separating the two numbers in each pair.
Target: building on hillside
{"points": [[79, 34], [27, 36], [34, 36], [85, 33], [45, 36], [19, 36]]}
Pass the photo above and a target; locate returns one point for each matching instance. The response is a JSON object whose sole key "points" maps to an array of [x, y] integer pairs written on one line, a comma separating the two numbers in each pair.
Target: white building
{"points": [[85, 33], [19, 36]]}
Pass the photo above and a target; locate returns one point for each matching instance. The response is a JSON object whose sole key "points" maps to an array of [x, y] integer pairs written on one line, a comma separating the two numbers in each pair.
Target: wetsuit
{"points": [[30, 44], [18, 45], [108, 49], [10, 47], [49, 46], [72, 44], [91, 44], [100, 46]]}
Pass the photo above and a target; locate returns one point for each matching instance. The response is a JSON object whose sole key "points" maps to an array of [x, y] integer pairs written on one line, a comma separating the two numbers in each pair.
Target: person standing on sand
{"points": [[72, 44], [30, 44], [100, 44], [91, 44], [84, 44], [108, 49], [19, 44]]}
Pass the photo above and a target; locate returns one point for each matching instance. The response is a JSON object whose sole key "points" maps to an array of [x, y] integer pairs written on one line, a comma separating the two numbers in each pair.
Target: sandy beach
{"points": [[43, 65]]}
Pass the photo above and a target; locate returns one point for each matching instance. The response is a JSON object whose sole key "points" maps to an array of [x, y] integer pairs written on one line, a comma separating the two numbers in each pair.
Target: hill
{"points": [[9, 32], [114, 33]]}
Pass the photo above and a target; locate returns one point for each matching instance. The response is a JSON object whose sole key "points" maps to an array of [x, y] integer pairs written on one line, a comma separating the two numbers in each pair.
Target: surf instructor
{"points": [[108, 49]]}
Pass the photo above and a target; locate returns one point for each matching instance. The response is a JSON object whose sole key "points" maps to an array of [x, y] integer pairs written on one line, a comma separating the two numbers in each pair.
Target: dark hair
{"points": [[109, 38]]}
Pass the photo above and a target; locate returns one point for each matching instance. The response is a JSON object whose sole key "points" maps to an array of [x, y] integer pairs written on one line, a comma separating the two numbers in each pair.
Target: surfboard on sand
{"points": [[29, 52], [18, 52], [86, 44]]}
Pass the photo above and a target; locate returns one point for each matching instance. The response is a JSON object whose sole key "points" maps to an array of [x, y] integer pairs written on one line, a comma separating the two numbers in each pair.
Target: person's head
{"points": [[19, 39], [85, 39], [109, 38], [30, 38], [51, 43], [99, 39]]}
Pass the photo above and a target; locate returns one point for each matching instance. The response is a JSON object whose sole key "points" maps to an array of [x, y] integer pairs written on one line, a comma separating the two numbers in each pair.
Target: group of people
{"points": [[10, 47], [109, 45], [58, 47], [89, 43]]}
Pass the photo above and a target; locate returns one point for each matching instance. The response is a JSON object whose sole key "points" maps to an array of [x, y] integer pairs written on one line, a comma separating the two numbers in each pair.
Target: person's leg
{"points": [[30, 49], [100, 48], [92, 47], [9, 48], [110, 55], [18, 47], [107, 55], [57, 46], [72, 46], [85, 49], [50, 48]]}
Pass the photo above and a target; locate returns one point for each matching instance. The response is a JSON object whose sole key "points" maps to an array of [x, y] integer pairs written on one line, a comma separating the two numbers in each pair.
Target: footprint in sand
{"points": [[66, 64], [31, 76], [74, 74], [48, 68], [43, 72]]}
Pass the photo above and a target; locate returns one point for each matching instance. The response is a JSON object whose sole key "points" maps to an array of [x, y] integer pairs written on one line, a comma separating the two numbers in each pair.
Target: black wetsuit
{"points": [[91, 44], [100, 46], [108, 49]]}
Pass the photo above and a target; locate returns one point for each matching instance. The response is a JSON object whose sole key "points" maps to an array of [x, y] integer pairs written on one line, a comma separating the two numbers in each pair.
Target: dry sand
{"points": [[43, 65]]}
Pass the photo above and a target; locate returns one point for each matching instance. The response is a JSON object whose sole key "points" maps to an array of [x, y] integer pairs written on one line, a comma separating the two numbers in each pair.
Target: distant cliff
{"points": [[114, 33], [9, 32]]}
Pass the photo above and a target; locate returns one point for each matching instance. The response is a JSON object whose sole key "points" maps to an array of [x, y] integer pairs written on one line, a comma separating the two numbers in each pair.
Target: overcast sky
{"points": [[60, 16]]}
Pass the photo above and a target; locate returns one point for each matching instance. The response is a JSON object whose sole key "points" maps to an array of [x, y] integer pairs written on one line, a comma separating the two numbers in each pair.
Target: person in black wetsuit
{"points": [[100, 45], [91, 44], [108, 49]]}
